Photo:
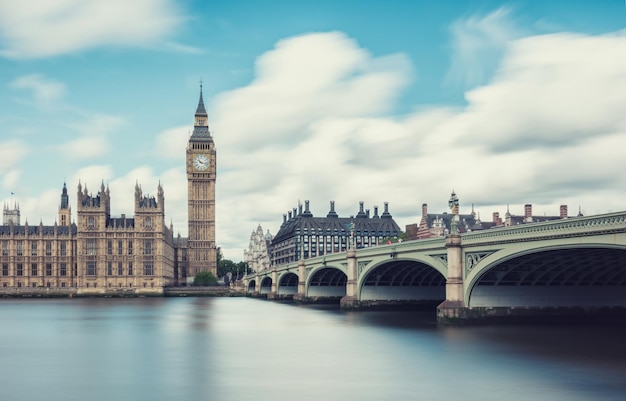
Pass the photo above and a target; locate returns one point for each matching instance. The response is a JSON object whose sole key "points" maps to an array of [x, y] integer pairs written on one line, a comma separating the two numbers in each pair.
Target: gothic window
{"points": [[48, 269], [149, 223], [109, 269], [33, 249], [147, 249], [130, 247], [63, 248], [33, 269], [119, 247], [48, 248], [91, 222], [5, 269], [148, 269], [119, 269], [130, 268], [91, 247], [91, 268], [109, 247], [63, 269], [5, 248], [20, 269]]}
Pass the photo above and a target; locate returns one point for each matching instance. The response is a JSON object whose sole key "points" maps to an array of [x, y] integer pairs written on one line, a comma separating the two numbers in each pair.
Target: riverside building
{"points": [[102, 254]]}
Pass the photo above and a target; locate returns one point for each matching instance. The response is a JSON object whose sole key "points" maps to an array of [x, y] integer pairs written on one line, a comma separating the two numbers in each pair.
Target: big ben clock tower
{"points": [[201, 170]]}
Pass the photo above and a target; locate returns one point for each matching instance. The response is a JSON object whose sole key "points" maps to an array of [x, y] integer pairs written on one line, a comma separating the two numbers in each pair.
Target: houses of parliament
{"points": [[100, 254]]}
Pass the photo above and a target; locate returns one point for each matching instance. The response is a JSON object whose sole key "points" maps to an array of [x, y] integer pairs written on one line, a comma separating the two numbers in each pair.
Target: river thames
{"points": [[247, 349]]}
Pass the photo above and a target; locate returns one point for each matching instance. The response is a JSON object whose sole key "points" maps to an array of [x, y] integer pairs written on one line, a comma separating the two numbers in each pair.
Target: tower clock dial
{"points": [[201, 162]]}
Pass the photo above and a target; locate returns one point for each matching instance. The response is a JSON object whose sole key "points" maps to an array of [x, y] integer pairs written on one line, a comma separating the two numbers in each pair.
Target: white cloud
{"points": [[11, 178], [36, 28], [171, 143], [93, 141], [549, 128], [46, 92], [478, 43], [11, 153]]}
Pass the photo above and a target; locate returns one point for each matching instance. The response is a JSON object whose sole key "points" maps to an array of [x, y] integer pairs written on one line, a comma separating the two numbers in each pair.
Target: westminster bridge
{"points": [[571, 265]]}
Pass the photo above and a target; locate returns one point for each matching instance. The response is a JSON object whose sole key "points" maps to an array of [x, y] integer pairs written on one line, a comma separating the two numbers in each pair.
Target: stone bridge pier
{"points": [[454, 305]]}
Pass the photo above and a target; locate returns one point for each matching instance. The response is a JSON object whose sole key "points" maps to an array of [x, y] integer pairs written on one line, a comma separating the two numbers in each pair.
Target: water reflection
{"points": [[238, 349]]}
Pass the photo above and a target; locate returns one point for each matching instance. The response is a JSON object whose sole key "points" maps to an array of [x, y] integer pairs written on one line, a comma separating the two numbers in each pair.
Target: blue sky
{"points": [[507, 103]]}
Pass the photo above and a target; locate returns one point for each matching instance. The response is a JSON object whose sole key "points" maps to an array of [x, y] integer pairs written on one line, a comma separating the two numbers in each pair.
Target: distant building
{"points": [[439, 225], [302, 235], [257, 254]]}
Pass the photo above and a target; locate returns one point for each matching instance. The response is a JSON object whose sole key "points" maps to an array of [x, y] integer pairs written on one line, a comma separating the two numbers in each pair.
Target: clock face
{"points": [[201, 162]]}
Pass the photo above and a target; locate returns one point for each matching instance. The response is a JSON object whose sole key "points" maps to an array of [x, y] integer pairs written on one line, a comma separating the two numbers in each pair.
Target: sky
{"points": [[399, 101]]}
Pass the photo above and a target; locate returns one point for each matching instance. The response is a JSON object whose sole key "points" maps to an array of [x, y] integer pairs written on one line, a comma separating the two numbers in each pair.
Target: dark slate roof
{"points": [[35, 230], [120, 222], [305, 224], [201, 133], [180, 241], [467, 222], [148, 202], [201, 111], [65, 199]]}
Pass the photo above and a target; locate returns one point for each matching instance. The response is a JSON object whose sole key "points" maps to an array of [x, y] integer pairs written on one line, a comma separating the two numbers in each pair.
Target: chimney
{"points": [[424, 210], [375, 211], [496, 218], [386, 210], [299, 208], [332, 212], [361, 212], [289, 215], [528, 210], [367, 213], [284, 218], [563, 211], [306, 205]]}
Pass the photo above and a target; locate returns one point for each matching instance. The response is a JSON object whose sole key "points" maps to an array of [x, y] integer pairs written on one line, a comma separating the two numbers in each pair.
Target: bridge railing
{"points": [[575, 226]]}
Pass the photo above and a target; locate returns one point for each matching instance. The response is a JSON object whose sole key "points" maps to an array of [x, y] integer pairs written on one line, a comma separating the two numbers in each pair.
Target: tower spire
{"points": [[200, 110], [201, 122]]}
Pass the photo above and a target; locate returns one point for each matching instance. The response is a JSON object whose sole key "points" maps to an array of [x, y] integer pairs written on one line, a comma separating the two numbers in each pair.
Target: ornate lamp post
{"points": [[453, 203]]}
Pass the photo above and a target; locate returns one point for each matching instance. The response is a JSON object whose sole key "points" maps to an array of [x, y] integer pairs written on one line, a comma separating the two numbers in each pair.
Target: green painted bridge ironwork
{"points": [[573, 264]]}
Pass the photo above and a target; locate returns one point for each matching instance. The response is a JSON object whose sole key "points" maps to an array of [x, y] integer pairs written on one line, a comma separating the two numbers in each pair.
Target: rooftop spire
{"points": [[201, 111], [201, 122]]}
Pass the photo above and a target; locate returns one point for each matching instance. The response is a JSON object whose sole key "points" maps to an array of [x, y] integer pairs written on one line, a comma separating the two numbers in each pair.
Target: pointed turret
{"points": [[201, 122], [200, 110], [64, 210]]}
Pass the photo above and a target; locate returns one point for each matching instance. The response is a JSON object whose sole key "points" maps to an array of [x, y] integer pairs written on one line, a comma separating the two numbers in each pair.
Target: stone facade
{"points": [[302, 236], [257, 255], [96, 255], [99, 254], [201, 176]]}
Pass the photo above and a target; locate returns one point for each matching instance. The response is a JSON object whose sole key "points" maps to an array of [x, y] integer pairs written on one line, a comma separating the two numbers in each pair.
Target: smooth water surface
{"points": [[247, 349]]}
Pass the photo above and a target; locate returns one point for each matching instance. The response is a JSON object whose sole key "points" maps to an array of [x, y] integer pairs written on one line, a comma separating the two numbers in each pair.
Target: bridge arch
{"points": [[402, 279], [327, 281], [251, 287], [287, 283], [266, 285], [571, 275]]}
